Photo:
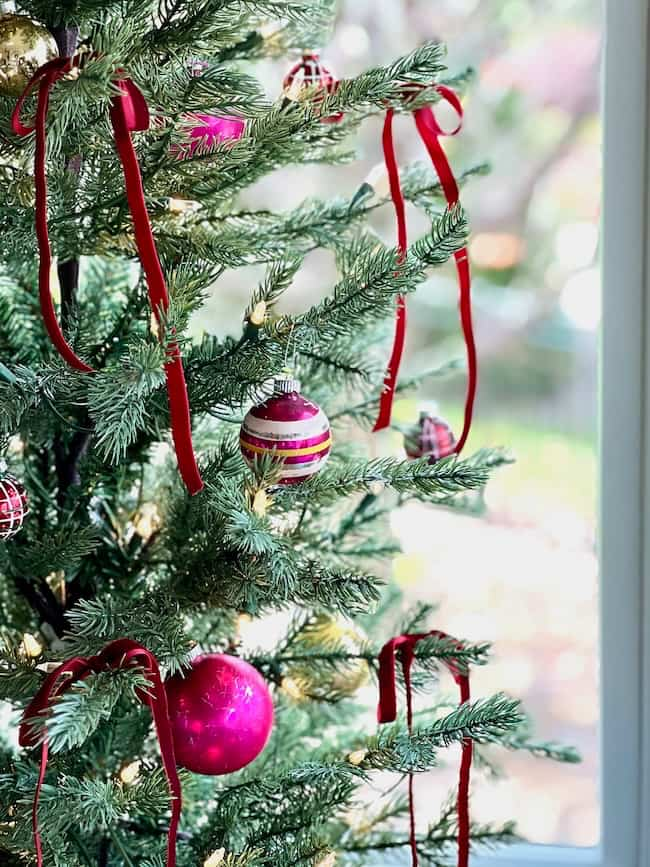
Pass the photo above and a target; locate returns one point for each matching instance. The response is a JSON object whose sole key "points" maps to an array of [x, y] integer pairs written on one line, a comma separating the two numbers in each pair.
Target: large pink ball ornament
{"points": [[221, 714]]}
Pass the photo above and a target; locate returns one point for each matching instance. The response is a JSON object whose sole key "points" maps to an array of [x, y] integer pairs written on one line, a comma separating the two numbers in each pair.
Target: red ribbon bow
{"points": [[387, 712], [430, 132], [118, 654], [128, 113]]}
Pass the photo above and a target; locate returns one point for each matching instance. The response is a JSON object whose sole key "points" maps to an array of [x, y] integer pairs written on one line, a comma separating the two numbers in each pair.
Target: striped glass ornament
{"points": [[290, 428]]}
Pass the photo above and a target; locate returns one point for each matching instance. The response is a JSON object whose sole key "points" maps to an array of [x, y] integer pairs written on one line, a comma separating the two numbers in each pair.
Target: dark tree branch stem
{"points": [[44, 603], [104, 850]]}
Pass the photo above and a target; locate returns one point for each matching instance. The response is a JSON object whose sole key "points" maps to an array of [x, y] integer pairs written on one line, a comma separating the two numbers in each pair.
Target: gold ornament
{"points": [[317, 680], [24, 46], [56, 583], [216, 858], [147, 520], [292, 688]]}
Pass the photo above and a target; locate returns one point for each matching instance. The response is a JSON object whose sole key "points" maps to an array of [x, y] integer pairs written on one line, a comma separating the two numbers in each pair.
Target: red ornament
{"points": [[310, 74], [13, 506], [431, 437], [290, 428], [221, 714]]}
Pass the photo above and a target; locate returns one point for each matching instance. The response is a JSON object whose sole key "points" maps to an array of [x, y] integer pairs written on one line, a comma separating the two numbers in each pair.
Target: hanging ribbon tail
{"points": [[45, 77], [387, 712], [124, 652], [129, 112], [392, 371], [431, 133], [387, 707], [55, 684], [465, 305], [117, 654]]}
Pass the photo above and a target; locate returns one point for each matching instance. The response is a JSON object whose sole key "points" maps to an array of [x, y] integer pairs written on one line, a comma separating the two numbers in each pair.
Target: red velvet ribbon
{"points": [[387, 712], [118, 654], [431, 133], [128, 113]]}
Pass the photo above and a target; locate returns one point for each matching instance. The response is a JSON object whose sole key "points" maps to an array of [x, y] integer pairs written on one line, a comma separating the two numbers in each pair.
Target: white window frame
{"points": [[625, 470]]}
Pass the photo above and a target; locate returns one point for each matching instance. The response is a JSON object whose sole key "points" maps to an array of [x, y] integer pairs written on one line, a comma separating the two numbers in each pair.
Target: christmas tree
{"points": [[165, 496]]}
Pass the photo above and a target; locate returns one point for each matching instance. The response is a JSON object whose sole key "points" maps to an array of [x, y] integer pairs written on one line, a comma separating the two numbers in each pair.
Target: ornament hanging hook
{"points": [[290, 367]]}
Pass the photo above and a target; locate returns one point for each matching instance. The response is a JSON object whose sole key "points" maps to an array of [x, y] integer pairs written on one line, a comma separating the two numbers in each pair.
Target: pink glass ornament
{"points": [[431, 437], [221, 714], [290, 428], [209, 130]]}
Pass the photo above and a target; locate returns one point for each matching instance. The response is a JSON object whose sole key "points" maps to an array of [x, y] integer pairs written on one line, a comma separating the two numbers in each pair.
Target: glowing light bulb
{"points": [[129, 773], [216, 858], [357, 757], [30, 646]]}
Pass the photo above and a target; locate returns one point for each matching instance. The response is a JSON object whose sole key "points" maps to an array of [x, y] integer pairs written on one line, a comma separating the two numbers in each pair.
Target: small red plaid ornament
{"points": [[431, 437], [13, 505], [309, 74]]}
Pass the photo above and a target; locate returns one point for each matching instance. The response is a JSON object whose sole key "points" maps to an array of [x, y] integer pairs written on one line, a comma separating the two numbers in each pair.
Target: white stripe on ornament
{"points": [[291, 471], [264, 428]]}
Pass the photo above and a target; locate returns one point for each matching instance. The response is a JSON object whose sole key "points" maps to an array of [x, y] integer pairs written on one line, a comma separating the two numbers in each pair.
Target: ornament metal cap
{"points": [[285, 384]]}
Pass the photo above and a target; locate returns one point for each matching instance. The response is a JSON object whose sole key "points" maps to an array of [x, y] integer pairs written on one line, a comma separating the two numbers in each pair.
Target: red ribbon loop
{"points": [[128, 113], [121, 653], [430, 132], [387, 712], [134, 106], [45, 77]]}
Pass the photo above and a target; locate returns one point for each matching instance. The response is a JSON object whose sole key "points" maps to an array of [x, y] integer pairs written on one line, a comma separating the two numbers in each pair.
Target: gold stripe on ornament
{"points": [[286, 453]]}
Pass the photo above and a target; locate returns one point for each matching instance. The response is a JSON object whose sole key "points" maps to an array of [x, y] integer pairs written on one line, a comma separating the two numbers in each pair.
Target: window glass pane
{"points": [[525, 576]]}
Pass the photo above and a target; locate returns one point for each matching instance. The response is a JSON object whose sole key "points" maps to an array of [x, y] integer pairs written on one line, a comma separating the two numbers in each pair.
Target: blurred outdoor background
{"points": [[526, 576]]}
